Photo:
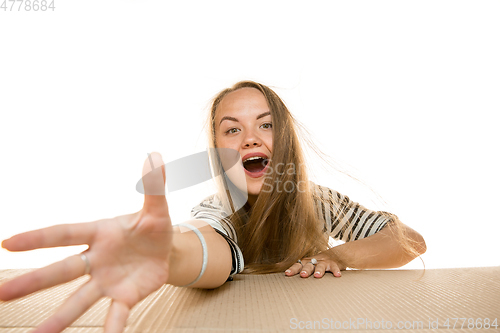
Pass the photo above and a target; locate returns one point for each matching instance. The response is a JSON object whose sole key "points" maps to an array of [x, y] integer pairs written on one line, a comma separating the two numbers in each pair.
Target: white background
{"points": [[404, 95]]}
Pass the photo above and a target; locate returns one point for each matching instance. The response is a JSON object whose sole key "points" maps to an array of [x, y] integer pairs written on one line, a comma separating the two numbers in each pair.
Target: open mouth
{"points": [[255, 164]]}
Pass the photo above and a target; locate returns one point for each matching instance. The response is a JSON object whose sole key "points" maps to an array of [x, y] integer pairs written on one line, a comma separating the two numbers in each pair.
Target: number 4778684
{"points": [[27, 5]]}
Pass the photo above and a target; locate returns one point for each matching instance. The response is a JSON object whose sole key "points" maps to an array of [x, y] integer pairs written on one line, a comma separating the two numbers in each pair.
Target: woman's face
{"points": [[243, 123]]}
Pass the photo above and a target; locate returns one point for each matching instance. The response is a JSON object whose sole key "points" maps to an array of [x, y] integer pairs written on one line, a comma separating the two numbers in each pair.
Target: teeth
{"points": [[253, 158]]}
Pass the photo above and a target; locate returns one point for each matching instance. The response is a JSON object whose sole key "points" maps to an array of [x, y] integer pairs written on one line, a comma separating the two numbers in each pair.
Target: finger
{"points": [[58, 235], [72, 308], [153, 179], [334, 268], [116, 318], [319, 270], [46, 277], [294, 269], [307, 270]]}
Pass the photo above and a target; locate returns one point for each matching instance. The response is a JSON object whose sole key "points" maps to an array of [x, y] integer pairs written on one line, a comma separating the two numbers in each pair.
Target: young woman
{"points": [[284, 224]]}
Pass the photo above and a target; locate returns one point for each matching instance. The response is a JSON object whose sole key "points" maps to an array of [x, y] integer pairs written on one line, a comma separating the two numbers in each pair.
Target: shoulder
{"points": [[323, 193], [212, 204], [212, 211]]}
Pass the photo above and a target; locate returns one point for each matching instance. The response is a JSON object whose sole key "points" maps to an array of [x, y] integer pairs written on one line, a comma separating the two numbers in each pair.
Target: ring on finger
{"points": [[313, 262]]}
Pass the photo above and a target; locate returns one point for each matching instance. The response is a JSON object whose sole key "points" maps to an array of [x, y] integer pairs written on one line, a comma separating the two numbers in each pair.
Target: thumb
{"points": [[153, 179]]}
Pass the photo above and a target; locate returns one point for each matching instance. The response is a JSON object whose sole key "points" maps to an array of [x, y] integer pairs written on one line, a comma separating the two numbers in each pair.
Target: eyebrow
{"points": [[262, 115]]}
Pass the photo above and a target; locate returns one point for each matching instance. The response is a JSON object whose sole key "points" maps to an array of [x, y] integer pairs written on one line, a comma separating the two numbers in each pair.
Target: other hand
{"points": [[326, 262]]}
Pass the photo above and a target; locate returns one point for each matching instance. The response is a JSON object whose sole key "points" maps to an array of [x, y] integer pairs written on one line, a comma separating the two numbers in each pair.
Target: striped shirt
{"points": [[342, 219]]}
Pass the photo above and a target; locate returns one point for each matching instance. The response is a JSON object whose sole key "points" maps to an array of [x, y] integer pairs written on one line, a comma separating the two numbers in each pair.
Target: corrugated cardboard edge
{"points": [[276, 303]]}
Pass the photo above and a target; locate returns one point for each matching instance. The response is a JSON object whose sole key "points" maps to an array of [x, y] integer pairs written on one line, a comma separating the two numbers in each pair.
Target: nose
{"points": [[252, 140]]}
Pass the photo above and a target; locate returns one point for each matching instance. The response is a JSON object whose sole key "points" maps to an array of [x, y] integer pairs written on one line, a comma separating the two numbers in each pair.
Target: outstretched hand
{"points": [[128, 256]]}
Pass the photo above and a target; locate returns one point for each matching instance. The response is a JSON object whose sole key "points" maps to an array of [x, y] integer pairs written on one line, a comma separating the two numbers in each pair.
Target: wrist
{"points": [[174, 256], [337, 254], [184, 267]]}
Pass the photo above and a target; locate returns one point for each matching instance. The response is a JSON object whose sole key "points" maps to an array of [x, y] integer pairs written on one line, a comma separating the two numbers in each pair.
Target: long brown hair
{"points": [[282, 225]]}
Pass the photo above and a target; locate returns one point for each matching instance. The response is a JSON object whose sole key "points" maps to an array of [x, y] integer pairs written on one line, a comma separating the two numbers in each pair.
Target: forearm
{"points": [[379, 251], [186, 259]]}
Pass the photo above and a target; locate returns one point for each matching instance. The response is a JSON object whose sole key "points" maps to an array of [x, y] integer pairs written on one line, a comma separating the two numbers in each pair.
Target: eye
{"points": [[231, 130], [267, 125]]}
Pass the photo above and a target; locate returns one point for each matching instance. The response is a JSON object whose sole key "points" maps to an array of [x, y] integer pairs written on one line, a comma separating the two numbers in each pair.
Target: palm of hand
{"points": [[129, 257]]}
